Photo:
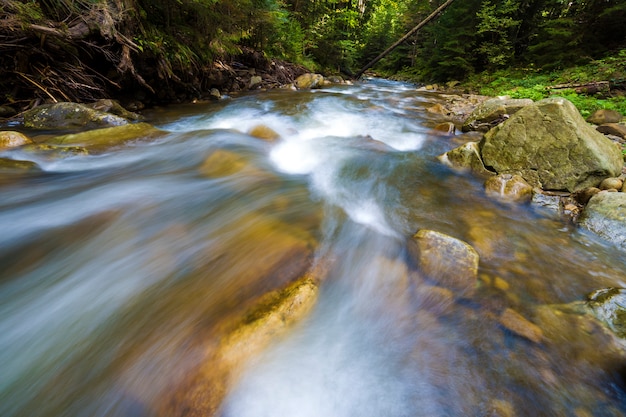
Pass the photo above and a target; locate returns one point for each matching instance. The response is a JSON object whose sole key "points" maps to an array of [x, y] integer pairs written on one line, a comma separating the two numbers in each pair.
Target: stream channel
{"points": [[114, 268]]}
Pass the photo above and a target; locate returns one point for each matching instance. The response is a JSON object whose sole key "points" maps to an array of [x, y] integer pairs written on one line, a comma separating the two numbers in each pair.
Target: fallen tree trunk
{"points": [[404, 38]]}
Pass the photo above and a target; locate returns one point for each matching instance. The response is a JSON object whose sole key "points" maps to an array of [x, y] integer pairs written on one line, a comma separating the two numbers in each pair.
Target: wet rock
{"points": [[434, 299], [609, 306], [54, 151], [264, 132], [516, 323], [223, 163], [9, 165], [255, 81], [605, 215], [446, 127], [12, 139], [611, 184], [215, 94], [114, 107], [583, 196], [448, 261], [550, 145], [335, 79], [7, 111], [309, 80], [100, 139], [509, 187], [493, 111], [500, 408], [466, 157], [438, 108], [69, 116], [243, 339], [602, 116], [613, 129]]}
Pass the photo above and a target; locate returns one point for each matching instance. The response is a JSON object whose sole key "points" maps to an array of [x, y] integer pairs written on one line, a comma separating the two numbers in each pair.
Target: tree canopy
{"points": [[96, 45]]}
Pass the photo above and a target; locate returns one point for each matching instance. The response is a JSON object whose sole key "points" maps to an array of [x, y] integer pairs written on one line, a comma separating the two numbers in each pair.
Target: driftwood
{"points": [[404, 38], [586, 88]]}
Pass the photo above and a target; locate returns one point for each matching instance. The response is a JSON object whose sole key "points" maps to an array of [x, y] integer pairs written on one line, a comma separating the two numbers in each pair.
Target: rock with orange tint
{"points": [[448, 261], [264, 132], [240, 340], [509, 187], [12, 139], [516, 323]]}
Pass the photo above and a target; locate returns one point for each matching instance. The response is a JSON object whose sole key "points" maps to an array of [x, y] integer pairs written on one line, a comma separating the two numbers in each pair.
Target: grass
{"points": [[535, 84]]}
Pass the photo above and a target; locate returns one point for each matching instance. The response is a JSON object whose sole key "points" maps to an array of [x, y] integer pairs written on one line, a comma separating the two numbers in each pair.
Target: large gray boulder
{"points": [[493, 111], [605, 215], [551, 146], [70, 116]]}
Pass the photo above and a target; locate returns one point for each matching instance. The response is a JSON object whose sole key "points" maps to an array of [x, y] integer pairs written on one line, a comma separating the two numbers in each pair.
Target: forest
{"points": [[87, 49]]}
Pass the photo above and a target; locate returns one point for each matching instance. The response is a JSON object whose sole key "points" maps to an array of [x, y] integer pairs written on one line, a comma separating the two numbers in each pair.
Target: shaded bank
{"points": [[84, 51]]}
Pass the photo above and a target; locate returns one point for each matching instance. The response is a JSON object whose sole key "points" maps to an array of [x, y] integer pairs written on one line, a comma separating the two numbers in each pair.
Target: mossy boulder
{"points": [[309, 80], [12, 165], [67, 115], [54, 151], [12, 139], [493, 111], [114, 107], [108, 137], [551, 146], [605, 215], [449, 262]]}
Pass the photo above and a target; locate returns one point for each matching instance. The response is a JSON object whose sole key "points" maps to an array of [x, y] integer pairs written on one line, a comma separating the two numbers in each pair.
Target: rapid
{"points": [[115, 267]]}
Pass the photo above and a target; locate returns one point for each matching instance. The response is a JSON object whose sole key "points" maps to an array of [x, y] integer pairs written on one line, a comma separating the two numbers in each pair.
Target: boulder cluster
{"points": [[546, 153]]}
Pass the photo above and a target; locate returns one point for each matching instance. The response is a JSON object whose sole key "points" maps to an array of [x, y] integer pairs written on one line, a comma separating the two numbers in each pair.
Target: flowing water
{"points": [[115, 267]]}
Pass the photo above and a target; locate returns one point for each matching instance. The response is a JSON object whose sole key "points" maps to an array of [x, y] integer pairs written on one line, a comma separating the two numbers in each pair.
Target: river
{"points": [[115, 266]]}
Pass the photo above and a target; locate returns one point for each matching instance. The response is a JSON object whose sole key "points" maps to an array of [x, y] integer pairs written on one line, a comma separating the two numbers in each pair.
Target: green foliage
{"points": [[534, 84]]}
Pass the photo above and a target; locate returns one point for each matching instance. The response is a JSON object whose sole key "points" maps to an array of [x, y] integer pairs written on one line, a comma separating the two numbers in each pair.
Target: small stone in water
{"points": [[517, 324]]}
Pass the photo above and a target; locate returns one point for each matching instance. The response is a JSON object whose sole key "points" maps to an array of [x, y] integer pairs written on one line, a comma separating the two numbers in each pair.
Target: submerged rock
{"points": [[448, 261], [69, 116], [605, 215], [242, 339], [493, 111], [264, 132], [8, 165], [509, 187], [54, 151], [516, 323], [12, 139], [550, 145], [108, 137]]}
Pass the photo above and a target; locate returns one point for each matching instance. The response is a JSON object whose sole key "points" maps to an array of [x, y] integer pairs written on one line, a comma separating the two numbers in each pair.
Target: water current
{"points": [[115, 267]]}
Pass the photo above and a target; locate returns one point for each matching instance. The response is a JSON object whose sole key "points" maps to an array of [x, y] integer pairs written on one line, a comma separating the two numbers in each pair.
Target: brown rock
{"points": [[449, 262], [446, 127], [611, 184], [603, 116], [583, 196], [516, 323], [12, 139], [268, 320], [509, 187], [264, 132], [434, 299], [614, 129]]}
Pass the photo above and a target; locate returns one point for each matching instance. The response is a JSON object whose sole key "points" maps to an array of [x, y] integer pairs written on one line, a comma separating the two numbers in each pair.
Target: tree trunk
{"points": [[404, 38]]}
